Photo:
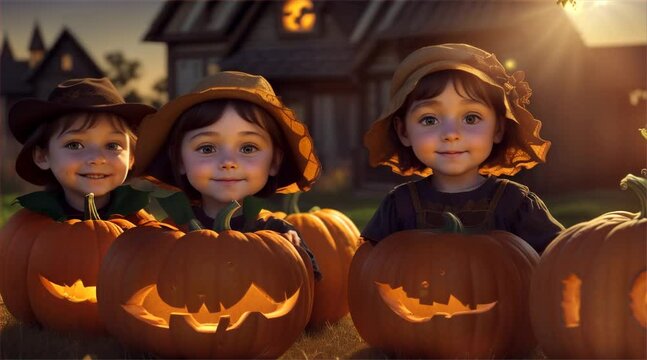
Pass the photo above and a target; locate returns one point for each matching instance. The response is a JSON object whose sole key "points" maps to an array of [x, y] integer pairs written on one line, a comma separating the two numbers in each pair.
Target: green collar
{"points": [[124, 200]]}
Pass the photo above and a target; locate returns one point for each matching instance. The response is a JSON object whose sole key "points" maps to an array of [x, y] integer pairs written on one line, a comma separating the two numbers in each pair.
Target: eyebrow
{"points": [[432, 102], [217, 134], [81, 131]]}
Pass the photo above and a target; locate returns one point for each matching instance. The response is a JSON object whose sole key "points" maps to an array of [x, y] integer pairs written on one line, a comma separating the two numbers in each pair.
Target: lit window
{"points": [[67, 62], [212, 66], [298, 16]]}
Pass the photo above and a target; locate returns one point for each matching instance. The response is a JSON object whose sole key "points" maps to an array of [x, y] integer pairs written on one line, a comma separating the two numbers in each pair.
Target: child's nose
{"points": [[450, 131], [228, 164], [96, 157]]}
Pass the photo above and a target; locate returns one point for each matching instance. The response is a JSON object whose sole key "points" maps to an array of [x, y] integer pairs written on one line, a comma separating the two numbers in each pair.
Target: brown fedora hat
{"points": [[74, 95], [154, 129], [526, 150]]}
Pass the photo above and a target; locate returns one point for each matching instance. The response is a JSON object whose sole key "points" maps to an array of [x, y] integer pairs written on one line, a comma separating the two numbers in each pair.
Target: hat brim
{"points": [[26, 115], [155, 129]]}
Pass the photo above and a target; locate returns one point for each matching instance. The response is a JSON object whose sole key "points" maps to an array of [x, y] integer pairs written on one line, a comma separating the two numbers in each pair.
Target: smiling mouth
{"points": [[228, 180], [94, 176], [451, 153]]}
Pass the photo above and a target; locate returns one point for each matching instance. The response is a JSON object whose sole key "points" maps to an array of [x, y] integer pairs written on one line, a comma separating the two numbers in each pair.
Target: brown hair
{"points": [[46, 131], [209, 112], [471, 87]]}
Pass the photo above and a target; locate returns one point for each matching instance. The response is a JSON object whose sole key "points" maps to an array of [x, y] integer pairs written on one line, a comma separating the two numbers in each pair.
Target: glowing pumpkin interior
{"points": [[571, 300], [410, 308], [76, 293], [298, 16], [146, 305]]}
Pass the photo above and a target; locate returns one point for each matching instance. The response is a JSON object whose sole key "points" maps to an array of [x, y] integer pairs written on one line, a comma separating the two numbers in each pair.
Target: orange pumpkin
{"points": [[16, 240], [49, 268], [333, 239], [64, 267], [206, 294], [420, 293], [589, 292]]}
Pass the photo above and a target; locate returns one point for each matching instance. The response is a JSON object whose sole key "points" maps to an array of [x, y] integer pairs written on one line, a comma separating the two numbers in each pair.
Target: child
{"points": [[79, 141], [456, 114], [229, 139]]}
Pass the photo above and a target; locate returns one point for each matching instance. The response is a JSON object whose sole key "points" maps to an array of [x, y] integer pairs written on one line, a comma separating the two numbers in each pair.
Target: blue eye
{"points": [[74, 145], [472, 119], [428, 120], [248, 149], [206, 149]]}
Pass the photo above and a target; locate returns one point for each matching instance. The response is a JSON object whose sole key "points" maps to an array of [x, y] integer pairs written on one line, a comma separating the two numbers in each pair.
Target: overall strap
{"points": [[495, 202], [417, 205]]}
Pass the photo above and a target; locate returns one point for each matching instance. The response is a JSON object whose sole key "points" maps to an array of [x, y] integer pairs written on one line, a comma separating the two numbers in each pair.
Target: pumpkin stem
{"points": [[452, 223], [251, 208], [90, 208], [639, 186], [291, 204], [223, 219]]}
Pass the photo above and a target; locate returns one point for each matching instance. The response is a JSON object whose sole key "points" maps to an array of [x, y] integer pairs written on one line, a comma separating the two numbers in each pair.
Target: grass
{"points": [[339, 340]]}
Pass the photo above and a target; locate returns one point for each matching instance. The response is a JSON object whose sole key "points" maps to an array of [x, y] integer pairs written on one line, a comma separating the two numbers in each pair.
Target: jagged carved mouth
{"points": [[412, 310], [76, 293], [147, 306]]}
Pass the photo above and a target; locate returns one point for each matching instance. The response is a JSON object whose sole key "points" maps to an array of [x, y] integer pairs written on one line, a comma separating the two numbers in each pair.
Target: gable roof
{"points": [[12, 72], [36, 39], [66, 36]]}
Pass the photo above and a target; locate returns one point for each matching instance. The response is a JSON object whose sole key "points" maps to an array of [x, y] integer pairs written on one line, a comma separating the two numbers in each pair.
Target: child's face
{"points": [[93, 160], [228, 160], [450, 133]]}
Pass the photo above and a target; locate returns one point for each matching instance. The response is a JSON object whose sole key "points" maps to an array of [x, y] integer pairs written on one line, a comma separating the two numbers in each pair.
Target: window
{"points": [[212, 66], [298, 16], [67, 62]]}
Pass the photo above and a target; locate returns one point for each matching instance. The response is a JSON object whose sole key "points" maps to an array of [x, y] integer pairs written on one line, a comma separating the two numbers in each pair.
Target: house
{"points": [[36, 77], [332, 61]]}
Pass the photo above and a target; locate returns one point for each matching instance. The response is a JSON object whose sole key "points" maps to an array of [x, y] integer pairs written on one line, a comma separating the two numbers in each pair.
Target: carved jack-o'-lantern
{"points": [[298, 16], [444, 295], [589, 292], [63, 270], [205, 294]]}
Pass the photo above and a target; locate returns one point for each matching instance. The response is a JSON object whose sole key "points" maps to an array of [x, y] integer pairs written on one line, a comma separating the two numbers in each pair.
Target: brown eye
{"points": [[74, 145]]}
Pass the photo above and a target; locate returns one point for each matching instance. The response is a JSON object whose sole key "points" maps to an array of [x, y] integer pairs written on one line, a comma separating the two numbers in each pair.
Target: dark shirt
{"points": [[280, 226], [516, 210]]}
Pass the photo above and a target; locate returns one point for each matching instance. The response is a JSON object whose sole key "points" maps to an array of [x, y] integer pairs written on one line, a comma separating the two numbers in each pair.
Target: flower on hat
{"points": [[514, 86]]}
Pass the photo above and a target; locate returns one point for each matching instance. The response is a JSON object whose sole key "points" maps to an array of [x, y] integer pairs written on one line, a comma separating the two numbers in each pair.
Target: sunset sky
{"points": [[103, 26]]}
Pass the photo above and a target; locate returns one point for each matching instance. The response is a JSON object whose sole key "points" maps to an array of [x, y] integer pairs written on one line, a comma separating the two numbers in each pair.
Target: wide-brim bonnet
{"points": [[155, 129], [528, 150]]}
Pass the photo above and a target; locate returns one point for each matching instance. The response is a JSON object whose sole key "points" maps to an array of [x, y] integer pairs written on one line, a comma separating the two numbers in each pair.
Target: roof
{"points": [[36, 39], [66, 36], [12, 72], [304, 61]]}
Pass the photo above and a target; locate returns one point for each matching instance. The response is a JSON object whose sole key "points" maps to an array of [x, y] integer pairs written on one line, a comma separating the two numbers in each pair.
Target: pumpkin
{"points": [[333, 239], [16, 240], [49, 268], [206, 293], [421, 293], [589, 292], [63, 270]]}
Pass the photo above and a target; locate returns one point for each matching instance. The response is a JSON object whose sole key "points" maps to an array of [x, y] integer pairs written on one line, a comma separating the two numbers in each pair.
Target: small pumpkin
{"points": [[589, 292], [420, 293], [333, 239], [206, 293]]}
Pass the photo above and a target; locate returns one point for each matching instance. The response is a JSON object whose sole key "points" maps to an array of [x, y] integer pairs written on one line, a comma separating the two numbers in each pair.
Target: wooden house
{"points": [[332, 62]]}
